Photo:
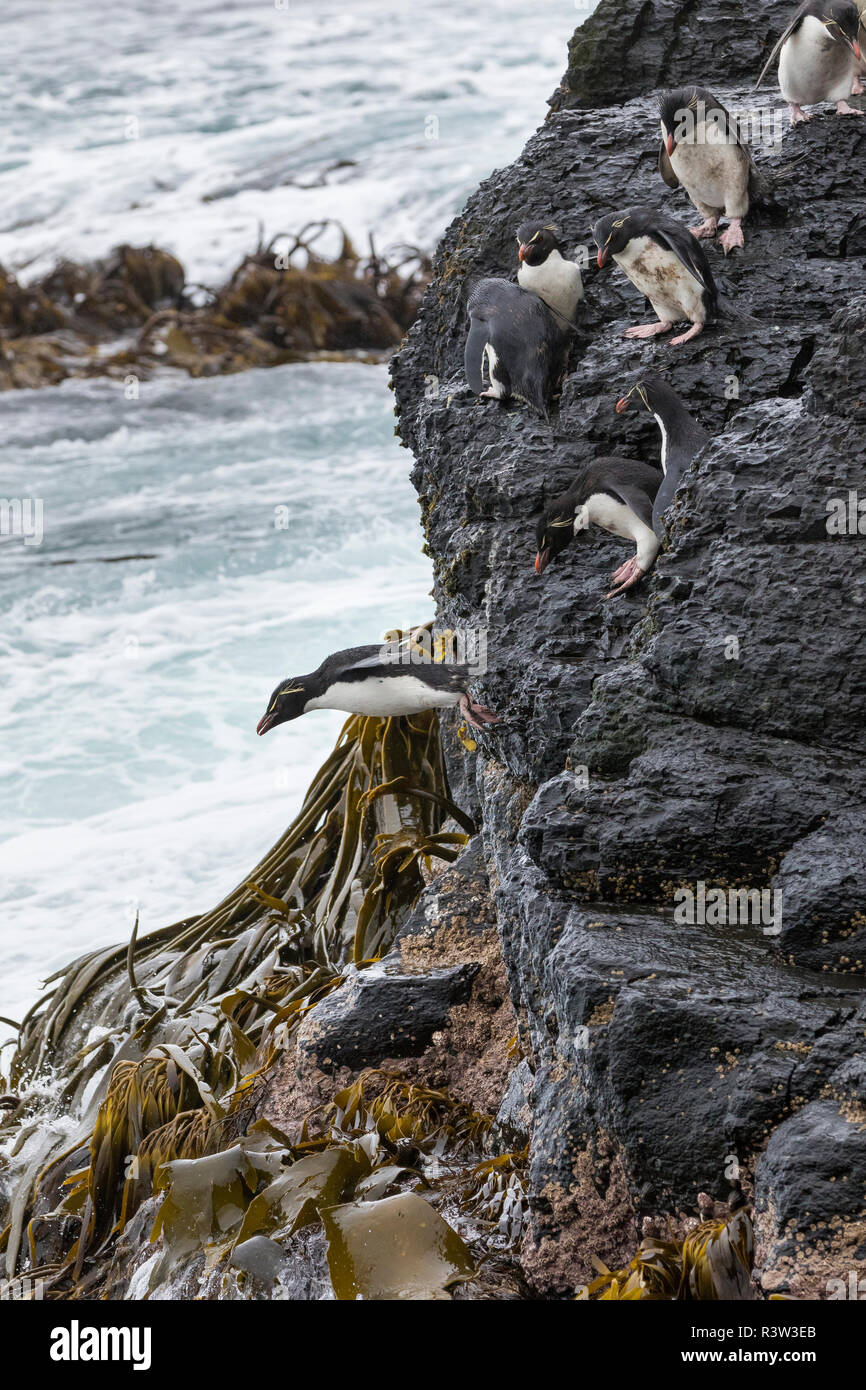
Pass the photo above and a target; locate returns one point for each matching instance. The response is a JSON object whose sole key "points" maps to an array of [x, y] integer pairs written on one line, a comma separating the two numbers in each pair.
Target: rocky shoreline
{"points": [[570, 1068], [664, 1060]]}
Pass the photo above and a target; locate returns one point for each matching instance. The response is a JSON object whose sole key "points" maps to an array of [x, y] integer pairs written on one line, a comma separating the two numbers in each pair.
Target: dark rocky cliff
{"points": [[661, 1060]]}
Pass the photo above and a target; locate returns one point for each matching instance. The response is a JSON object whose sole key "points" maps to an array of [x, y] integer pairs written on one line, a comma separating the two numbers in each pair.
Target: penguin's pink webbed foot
{"points": [[732, 236], [693, 332], [622, 571], [469, 709], [628, 574], [843, 109], [797, 113], [647, 330], [705, 228]]}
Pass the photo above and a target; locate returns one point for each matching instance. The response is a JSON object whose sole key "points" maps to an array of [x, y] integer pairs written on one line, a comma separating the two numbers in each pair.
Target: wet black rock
{"points": [[380, 1012], [635, 48], [709, 726]]}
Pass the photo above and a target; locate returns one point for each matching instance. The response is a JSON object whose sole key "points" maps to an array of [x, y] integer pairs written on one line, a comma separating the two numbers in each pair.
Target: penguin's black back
{"points": [[524, 334], [628, 480], [369, 663]]}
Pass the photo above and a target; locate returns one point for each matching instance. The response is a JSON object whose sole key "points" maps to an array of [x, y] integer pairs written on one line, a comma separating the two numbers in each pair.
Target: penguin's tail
{"points": [[727, 308], [535, 398], [764, 197]]}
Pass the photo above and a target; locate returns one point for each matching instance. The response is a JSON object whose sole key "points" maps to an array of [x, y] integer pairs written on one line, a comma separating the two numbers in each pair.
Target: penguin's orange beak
{"points": [[521, 255], [622, 405], [670, 146], [541, 561], [602, 258], [856, 47]]}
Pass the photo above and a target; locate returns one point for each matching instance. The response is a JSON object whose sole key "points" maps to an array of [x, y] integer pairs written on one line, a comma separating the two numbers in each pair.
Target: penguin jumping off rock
{"points": [[519, 332], [615, 494], [682, 437], [819, 58], [702, 150], [666, 264], [363, 680]]}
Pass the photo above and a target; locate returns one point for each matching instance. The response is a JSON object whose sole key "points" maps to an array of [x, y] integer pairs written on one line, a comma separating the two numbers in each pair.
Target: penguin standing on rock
{"points": [[666, 264], [682, 437], [545, 271], [615, 494], [819, 58], [702, 150], [518, 333], [363, 680]]}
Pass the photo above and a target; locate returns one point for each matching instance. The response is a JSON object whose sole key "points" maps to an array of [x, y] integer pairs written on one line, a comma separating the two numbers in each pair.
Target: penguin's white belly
{"points": [[558, 282], [497, 385], [716, 175], [615, 517], [384, 695], [813, 67], [672, 290]]}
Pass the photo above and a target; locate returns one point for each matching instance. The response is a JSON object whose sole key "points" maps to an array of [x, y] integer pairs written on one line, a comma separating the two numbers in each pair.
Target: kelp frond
{"points": [[714, 1261], [192, 1014]]}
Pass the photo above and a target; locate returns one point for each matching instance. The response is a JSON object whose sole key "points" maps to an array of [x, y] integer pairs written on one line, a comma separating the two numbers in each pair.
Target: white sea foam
{"points": [[188, 125], [130, 772]]}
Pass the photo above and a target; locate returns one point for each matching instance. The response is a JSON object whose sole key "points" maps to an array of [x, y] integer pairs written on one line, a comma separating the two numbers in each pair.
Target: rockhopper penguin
{"points": [[544, 270], [819, 57], [520, 332], [666, 264], [702, 150], [362, 680], [682, 436], [615, 494]]}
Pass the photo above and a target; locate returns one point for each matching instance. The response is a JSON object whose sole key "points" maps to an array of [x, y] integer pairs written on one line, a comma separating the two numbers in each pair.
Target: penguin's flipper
{"points": [[666, 169], [634, 498], [795, 24], [441, 675], [688, 252], [473, 354]]}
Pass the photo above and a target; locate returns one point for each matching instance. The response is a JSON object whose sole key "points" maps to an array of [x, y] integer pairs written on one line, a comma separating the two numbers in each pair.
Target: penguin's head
{"points": [[653, 390], [536, 241], [676, 113], [841, 19], [611, 234], [287, 702], [554, 530]]}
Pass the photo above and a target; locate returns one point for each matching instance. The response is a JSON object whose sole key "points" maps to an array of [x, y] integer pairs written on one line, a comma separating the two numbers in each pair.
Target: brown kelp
{"points": [[714, 1261], [283, 303], [191, 1016]]}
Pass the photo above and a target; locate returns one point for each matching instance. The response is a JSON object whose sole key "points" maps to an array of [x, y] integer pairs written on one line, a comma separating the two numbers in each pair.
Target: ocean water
{"points": [[206, 540]]}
